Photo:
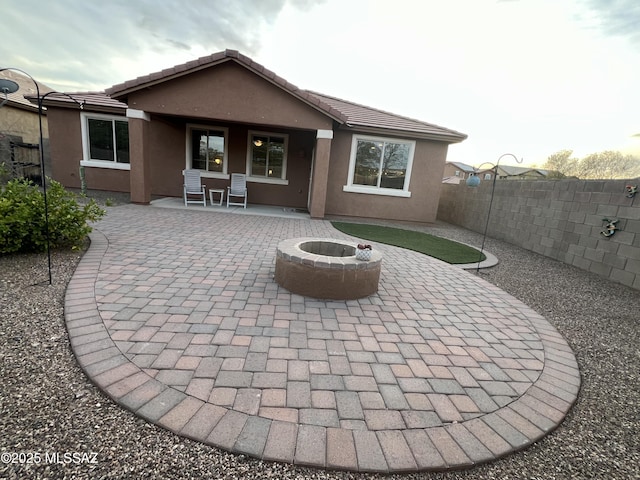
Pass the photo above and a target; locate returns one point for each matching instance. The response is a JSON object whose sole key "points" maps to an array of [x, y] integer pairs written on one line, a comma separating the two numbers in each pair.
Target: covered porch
{"points": [[252, 209], [224, 116], [280, 163]]}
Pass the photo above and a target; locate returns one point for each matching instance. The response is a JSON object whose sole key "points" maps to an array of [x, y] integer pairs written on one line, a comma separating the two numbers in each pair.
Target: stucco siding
{"points": [[65, 146], [425, 184], [228, 92], [66, 154], [22, 123]]}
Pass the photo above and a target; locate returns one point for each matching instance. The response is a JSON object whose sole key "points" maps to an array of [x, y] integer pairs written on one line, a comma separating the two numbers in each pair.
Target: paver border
{"points": [[513, 427]]}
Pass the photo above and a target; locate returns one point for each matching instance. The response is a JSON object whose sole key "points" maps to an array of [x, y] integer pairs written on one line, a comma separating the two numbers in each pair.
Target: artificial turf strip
{"points": [[440, 248]]}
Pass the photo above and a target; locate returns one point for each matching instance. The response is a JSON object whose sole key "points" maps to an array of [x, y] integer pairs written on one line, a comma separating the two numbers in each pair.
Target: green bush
{"points": [[23, 219]]}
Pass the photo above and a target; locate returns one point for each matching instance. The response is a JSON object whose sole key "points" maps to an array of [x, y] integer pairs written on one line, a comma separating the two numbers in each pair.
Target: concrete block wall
{"points": [[561, 219]]}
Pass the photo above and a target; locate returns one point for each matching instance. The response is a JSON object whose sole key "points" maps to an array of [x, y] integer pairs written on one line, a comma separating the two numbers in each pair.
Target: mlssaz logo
{"points": [[65, 458]]}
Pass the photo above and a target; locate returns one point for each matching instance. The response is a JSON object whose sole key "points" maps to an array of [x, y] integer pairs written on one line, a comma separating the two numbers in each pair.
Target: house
{"points": [[20, 128], [455, 172], [223, 114], [509, 172], [458, 169]]}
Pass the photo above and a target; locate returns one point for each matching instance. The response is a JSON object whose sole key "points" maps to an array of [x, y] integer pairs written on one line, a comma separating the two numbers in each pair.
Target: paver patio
{"points": [[176, 316]]}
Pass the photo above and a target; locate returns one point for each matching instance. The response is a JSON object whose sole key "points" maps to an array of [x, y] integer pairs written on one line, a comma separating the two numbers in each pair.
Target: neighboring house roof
{"points": [[462, 166], [513, 171], [344, 112], [26, 89]]}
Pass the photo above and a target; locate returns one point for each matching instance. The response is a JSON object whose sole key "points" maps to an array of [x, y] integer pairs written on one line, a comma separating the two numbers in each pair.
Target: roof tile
{"points": [[363, 116], [89, 99], [353, 114]]}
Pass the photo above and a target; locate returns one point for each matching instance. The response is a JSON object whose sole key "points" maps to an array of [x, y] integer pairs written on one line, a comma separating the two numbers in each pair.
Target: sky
{"points": [[526, 77]]}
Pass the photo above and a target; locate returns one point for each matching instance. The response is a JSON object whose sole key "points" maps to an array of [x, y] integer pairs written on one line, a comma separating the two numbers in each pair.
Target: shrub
{"points": [[23, 219]]}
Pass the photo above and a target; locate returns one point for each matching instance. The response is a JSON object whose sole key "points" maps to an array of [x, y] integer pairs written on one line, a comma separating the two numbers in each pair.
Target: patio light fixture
{"points": [[9, 86], [474, 181]]}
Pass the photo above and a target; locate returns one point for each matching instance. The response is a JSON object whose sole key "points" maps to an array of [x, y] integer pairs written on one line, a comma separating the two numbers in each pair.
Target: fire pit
{"points": [[326, 268]]}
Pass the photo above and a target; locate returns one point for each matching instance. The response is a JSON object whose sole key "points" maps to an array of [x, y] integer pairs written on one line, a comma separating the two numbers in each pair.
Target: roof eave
{"points": [[22, 106], [86, 106], [453, 137]]}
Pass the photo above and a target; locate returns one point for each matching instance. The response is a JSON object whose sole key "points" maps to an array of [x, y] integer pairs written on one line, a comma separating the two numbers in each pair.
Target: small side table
{"points": [[216, 190]]}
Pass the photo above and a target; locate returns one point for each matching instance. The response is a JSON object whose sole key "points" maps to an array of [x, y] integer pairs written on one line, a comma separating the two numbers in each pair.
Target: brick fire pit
{"points": [[326, 268]]}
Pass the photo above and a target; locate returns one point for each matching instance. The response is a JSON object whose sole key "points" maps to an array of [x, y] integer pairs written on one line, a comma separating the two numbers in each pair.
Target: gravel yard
{"points": [[48, 406]]}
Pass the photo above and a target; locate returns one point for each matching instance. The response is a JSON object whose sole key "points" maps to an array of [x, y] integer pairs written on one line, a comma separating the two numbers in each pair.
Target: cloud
{"points": [[617, 18], [528, 76], [75, 44]]}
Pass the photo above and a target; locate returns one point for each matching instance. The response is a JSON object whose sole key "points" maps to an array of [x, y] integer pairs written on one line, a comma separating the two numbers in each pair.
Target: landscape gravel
{"points": [[49, 407]]}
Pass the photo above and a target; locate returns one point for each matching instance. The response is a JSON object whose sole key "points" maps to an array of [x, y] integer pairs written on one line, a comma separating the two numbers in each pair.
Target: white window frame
{"points": [[87, 161], [258, 179], [372, 190], [487, 176], [225, 161]]}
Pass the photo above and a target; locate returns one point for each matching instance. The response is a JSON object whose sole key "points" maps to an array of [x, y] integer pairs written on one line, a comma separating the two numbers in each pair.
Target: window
{"points": [[207, 150], [380, 166], [105, 141], [267, 156], [457, 173], [487, 176]]}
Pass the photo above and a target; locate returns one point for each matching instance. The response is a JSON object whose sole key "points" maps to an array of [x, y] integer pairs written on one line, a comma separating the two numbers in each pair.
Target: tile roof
{"points": [[344, 112], [97, 101], [121, 90], [26, 88], [362, 116]]}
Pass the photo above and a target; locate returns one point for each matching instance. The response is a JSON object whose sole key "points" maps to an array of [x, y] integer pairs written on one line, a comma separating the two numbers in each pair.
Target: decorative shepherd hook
{"points": [[476, 182]]}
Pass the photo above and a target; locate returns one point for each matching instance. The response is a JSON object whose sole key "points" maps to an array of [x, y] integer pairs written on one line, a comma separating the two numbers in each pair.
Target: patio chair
{"points": [[193, 187], [238, 188]]}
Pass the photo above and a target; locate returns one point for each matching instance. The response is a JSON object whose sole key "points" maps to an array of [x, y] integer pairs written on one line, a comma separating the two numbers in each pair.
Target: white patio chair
{"points": [[238, 188], [193, 187]]}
